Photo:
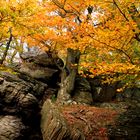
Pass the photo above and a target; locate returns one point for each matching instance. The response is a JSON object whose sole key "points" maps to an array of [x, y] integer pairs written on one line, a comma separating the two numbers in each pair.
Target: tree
{"points": [[7, 47], [103, 35], [19, 17], [105, 32]]}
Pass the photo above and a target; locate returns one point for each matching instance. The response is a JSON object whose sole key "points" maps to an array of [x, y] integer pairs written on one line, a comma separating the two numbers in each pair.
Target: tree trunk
{"points": [[68, 75], [13, 56], [7, 47]]}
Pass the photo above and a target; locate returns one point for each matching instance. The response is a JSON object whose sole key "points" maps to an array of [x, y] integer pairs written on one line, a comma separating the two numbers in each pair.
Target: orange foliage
{"points": [[106, 32]]}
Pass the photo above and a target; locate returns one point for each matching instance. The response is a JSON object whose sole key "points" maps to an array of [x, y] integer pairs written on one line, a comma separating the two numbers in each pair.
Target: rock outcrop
{"points": [[19, 104], [11, 128], [22, 91], [54, 125], [37, 72], [127, 126], [79, 122], [94, 111], [82, 93], [102, 92]]}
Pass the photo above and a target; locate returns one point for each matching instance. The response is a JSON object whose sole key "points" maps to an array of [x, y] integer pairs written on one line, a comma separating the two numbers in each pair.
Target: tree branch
{"points": [[120, 10], [120, 50]]}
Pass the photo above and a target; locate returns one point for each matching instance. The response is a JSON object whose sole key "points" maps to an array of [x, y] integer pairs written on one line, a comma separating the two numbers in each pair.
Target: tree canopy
{"points": [[106, 32]]}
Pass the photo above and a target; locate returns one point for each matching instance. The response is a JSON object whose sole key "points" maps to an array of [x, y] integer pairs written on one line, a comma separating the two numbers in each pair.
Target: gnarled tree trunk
{"points": [[68, 75]]}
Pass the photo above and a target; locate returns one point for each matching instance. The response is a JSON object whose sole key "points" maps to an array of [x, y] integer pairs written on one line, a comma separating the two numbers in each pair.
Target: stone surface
{"points": [[42, 67], [11, 128], [83, 97], [82, 84], [41, 59], [102, 92], [79, 122], [82, 93], [19, 106], [54, 126], [22, 94], [131, 94], [127, 126], [38, 72]]}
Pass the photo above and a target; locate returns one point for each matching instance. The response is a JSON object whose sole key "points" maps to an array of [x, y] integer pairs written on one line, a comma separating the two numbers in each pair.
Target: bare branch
{"points": [[7, 47], [120, 50], [120, 10]]}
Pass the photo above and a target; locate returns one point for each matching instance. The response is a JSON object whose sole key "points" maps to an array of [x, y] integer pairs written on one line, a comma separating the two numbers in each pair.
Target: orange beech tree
{"points": [[106, 33], [93, 38], [101, 38]]}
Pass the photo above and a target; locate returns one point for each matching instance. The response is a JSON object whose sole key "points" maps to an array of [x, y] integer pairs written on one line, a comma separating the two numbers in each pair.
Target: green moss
{"points": [[7, 69], [53, 98]]}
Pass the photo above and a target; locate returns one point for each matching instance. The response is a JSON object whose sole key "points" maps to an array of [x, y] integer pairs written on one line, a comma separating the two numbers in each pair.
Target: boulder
{"points": [[54, 125], [17, 84], [19, 93], [127, 126], [102, 92], [49, 60], [11, 128], [19, 105], [82, 84], [41, 67], [38, 72], [127, 123], [131, 94], [41, 59], [79, 122], [82, 93], [45, 61], [83, 97]]}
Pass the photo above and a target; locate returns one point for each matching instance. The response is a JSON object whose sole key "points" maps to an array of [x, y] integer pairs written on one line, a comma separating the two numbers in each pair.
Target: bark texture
{"points": [[7, 47], [68, 75]]}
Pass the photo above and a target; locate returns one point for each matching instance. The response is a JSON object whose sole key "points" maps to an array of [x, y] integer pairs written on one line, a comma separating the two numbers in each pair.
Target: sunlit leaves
{"points": [[108, 37]]}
